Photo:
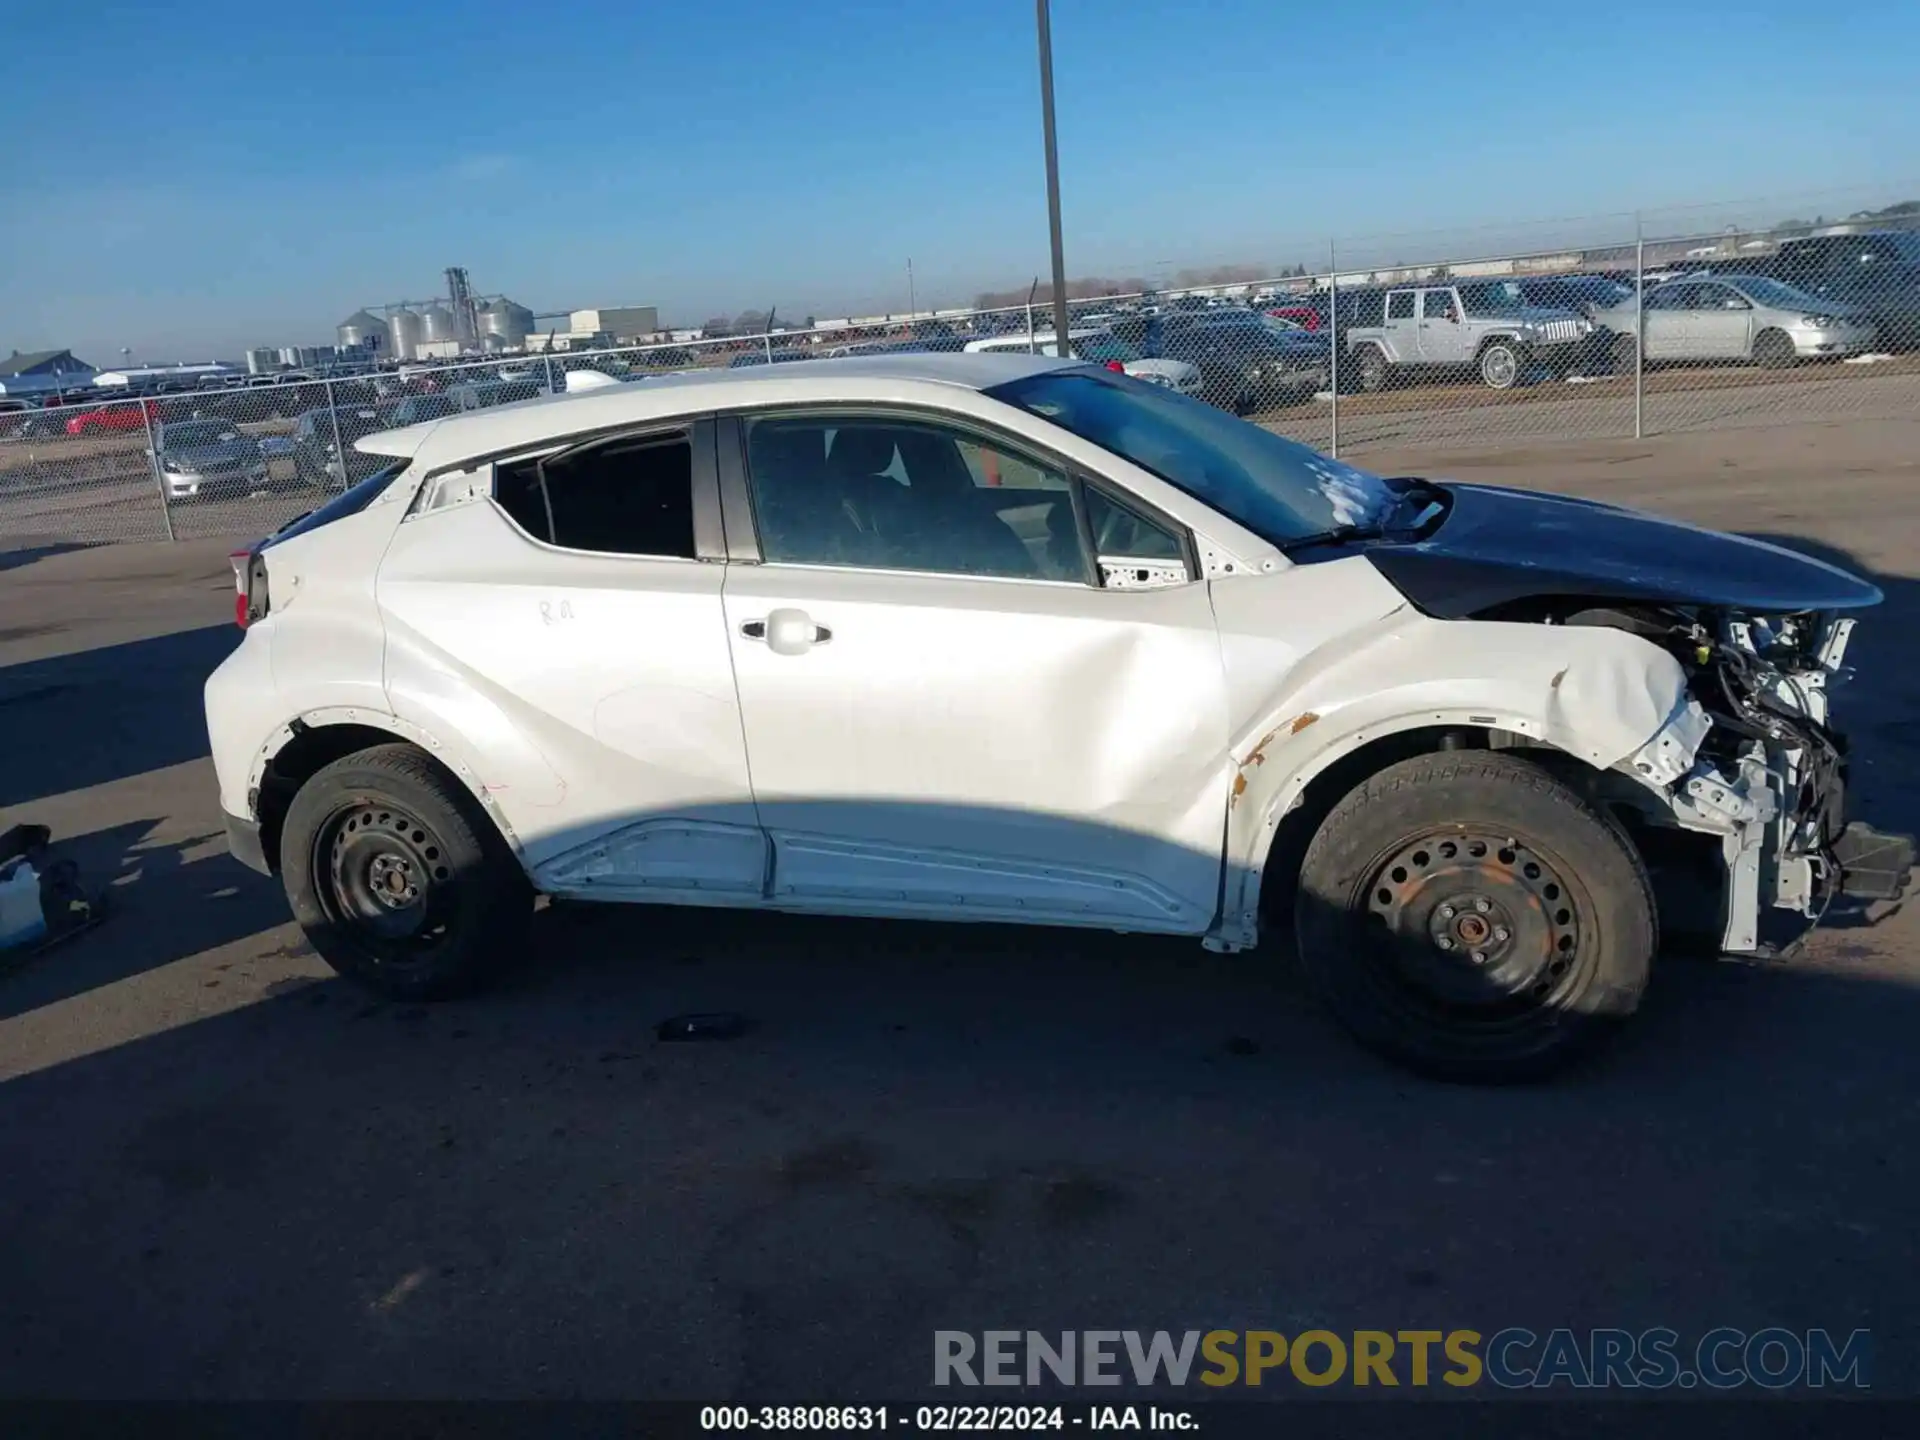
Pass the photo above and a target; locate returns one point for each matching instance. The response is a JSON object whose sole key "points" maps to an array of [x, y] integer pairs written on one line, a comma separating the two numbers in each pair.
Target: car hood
{"points": [[1496, 546]]}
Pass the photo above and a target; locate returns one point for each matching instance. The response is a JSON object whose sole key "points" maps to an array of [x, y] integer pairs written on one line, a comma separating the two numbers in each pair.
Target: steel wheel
{"points": [[1481, 926], [382, 880]]}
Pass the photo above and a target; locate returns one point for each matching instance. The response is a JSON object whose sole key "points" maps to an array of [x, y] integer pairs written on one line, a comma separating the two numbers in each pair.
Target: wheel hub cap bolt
{"points": [[1499, 932], [1482, 906], [1479, 957], [1446, 912], [1446, 942]]}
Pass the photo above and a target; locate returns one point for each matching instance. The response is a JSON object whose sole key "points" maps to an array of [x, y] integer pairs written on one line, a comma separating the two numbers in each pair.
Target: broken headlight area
{"points": [[1766, 781]]}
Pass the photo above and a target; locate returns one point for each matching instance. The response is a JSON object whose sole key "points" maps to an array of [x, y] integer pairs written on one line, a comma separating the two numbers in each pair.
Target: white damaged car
{"points": [[989, 637]]}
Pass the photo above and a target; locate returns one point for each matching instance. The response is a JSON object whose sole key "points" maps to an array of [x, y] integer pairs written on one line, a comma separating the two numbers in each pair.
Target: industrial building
{"points": [[39, 371], [624, 323]]}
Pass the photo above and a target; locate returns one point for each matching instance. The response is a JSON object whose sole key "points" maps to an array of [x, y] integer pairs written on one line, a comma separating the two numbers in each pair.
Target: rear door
{"points": [[1403, 324], [949, 709], [566, 620], [1665, 321]]}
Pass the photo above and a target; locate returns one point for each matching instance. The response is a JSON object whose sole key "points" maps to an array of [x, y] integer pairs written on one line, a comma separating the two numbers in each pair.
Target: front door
{"points": [[1664, 322], [1442, 335], [947, 711], [568, 628]]}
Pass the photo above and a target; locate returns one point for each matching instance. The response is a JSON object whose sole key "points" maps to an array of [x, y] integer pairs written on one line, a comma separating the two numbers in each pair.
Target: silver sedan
{"points": [[1735, 317]]}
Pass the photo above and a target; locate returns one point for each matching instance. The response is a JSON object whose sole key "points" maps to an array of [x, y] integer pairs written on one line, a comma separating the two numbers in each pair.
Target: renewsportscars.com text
{"points": [[1514, 1358]]}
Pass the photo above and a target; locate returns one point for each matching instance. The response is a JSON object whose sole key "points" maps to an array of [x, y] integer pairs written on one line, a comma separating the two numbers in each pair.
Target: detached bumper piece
{"points": [[1874, 865]]}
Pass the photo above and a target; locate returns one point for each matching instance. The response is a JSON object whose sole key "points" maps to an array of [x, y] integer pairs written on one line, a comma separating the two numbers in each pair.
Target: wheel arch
{"points": [[1601, 699], [303, 746]]}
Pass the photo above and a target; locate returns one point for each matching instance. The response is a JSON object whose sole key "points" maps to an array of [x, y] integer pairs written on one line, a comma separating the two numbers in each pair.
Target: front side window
{"points": [[628, 496], [904, 494], [1437, 305]]}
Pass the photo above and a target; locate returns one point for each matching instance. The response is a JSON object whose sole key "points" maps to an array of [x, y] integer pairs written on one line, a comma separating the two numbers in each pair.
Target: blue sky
{"points": [[188, 178]]}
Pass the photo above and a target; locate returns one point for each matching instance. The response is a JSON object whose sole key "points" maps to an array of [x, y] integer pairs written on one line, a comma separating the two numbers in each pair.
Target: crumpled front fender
{"points": [[1600, 694]]}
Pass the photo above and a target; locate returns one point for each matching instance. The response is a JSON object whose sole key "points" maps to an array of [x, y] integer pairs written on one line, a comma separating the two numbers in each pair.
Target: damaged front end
{"points": [[1765, 774]]}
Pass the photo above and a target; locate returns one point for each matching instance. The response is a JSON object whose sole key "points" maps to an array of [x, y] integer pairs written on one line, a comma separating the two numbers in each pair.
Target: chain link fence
{"points": [[1642, 330]]}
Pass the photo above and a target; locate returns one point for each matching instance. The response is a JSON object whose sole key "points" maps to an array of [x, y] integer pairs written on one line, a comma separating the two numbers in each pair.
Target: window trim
{"points": [[709, 541], [743, 530]]}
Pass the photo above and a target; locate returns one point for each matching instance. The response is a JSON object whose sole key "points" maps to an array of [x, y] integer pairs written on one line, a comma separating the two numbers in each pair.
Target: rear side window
{"points": [[628, 496], [1400, 305], [348, 502]]}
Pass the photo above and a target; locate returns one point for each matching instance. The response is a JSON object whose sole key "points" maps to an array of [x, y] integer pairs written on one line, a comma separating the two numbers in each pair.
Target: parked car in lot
{"points": [[1004, 638], [207, 459], [1734, 317], [114, 417], [319, 434], [1102, 347], [1485, 327], [1876, 273], [1303, 313], [480, 395], [1247, 361]]}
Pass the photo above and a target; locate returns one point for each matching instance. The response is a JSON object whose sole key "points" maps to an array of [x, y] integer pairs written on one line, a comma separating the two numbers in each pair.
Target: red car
{"points": [[1305, 316], [123, 415]]}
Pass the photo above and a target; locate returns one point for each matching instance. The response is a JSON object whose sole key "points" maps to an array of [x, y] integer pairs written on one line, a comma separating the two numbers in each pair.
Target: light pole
{"points": [[912, 308], [1045, 22]]}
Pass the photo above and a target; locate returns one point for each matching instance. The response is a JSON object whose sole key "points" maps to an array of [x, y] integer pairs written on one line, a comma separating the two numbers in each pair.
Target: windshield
{"points": [[200, 432], [1279, 489], [1772, 292], [1493, 297], [1103, 348]]}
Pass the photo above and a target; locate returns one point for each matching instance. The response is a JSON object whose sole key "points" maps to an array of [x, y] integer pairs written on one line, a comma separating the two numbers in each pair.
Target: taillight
{"points": [[250, 600], [1116, 365]]}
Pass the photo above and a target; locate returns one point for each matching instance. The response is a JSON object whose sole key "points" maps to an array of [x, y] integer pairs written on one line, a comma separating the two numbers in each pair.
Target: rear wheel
{"points": [[398, 877], [1373, 368], [1471, 917], [1773, 349]]}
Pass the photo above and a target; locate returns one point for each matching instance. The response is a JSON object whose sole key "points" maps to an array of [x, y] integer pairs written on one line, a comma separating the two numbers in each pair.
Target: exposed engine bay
{"points": [[1767, 775]]}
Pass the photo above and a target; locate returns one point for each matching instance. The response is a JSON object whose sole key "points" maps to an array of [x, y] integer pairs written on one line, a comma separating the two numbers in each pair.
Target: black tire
{"points": [[1502, 364], [1442, 858], [1374, 370], [1773, 350], [1626, 354], [400, 880]]}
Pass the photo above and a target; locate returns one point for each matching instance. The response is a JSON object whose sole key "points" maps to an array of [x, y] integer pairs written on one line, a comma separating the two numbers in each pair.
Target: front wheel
{"points": [[398, 877], [1472, 918], [1501, 365]]}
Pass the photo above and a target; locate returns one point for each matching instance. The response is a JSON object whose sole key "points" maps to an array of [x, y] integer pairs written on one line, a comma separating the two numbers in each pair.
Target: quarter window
{"points": [[628, 496], [886, 494]]}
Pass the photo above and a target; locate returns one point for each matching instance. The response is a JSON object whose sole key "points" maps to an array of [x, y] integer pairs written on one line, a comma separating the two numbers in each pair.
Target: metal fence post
{"points": [[548, 358], [153, 466], [1333, 345], [1639, 326], [767, 340], [333, 414]]}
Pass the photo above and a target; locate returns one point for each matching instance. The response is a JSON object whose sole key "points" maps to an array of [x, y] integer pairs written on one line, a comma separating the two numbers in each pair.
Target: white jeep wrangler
{"points": [[980, 637]]}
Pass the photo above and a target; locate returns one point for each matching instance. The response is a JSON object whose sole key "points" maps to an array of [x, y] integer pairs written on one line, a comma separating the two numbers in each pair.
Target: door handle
{"points": [[787, 632]]}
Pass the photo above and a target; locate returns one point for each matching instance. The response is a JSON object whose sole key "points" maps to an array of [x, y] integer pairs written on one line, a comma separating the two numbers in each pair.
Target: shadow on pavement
{"points": [[528, 1194], [163, 904], [92, 716]]}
